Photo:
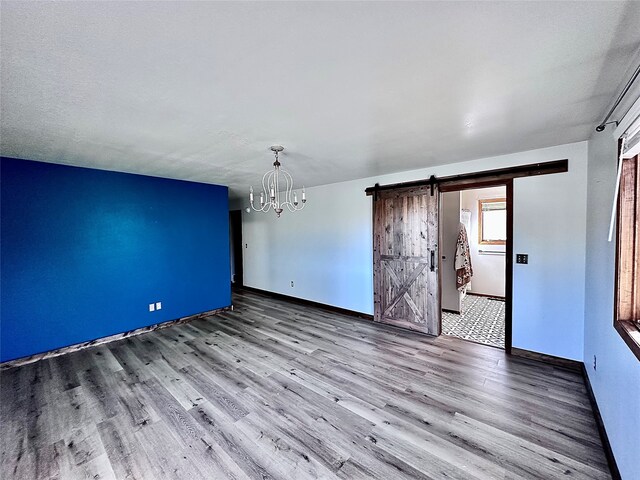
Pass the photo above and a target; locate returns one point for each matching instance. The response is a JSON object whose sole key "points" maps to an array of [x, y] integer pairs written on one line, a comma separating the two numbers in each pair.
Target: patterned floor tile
{"points": [[481, 320]]}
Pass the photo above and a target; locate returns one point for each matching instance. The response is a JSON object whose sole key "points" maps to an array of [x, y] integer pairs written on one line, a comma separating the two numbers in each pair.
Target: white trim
{"points": [[614, 208], [633, 140], [632, 115], [632, 152]]}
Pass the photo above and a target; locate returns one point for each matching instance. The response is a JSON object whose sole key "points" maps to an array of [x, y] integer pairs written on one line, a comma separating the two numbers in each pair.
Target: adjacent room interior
{"points": [[302, 240], [473, 243]]}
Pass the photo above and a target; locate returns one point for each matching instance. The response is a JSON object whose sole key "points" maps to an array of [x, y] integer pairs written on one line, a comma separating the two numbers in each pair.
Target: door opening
{"points": [[235, 247], [473, 246]]}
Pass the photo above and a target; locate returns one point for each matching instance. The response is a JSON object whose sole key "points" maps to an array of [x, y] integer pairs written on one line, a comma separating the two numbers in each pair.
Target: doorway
{"points": [[473, 243], [235, 247]]}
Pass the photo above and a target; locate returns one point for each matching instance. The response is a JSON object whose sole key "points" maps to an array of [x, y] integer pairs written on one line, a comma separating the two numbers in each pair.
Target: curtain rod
{"points": [[604, 123]]}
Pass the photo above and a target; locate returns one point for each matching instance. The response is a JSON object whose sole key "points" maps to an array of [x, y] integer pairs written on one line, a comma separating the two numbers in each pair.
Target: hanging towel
{"points": [[462, 264]]}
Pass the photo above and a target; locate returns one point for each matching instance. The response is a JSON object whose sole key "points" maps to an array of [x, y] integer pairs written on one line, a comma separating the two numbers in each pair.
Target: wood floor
{"points": [[278, 390]]}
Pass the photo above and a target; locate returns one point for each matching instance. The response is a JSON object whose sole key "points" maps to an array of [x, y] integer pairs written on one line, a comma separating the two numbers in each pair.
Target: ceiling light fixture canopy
{"points": [[277, 189]]}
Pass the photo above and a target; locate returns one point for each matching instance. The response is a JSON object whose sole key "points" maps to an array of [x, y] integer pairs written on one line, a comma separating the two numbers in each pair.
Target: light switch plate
{"points": [[158, 305], [152, 307]]}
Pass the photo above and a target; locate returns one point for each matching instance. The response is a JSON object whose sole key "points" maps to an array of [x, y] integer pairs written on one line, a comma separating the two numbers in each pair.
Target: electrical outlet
{"points": [[291, 283], [158, 305], [152, 307], [522, 258], [595, 362]]}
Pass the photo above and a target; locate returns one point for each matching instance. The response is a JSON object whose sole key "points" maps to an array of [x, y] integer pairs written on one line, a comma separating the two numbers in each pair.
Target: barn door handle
{"points": [[433, 261]]}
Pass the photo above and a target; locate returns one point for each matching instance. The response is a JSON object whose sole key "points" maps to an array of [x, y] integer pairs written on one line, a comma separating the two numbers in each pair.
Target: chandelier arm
{"points": [[285, 193], [290, 203], [297, 208], [264, 208], [265, 184], [287, 176], [300, 205], [265, 189], [292, 198], [254, 208]]}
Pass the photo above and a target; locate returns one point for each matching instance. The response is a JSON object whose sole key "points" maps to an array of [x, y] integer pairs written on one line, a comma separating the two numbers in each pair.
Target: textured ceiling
{"points": [[199, 91]]}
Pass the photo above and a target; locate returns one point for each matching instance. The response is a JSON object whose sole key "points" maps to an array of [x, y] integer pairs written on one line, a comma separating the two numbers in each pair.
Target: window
{"points": [[492, 221], [627, 302]]}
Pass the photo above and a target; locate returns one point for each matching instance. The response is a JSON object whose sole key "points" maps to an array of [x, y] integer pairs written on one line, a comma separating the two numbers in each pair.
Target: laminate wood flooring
{"points": [[275, 390]]}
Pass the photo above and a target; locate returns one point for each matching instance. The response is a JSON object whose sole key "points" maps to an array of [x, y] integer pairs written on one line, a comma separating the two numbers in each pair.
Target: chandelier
{"points": [[277, 189]]}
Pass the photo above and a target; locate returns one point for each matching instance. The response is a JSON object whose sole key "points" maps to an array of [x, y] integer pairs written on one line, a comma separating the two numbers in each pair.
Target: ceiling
{"points": [[200, 90]]}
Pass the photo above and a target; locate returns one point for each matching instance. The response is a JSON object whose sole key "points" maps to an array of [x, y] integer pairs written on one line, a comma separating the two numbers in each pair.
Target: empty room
{"points": [[319, 240]]}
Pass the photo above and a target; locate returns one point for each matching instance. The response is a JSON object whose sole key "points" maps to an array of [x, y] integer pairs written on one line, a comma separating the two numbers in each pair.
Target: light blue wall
{"points": [[616, 382], [550, 214], [327, 249], [84, 252]]}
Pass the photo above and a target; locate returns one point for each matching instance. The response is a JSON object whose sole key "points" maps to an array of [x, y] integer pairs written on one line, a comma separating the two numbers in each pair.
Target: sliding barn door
{"points": [[405, 270]]}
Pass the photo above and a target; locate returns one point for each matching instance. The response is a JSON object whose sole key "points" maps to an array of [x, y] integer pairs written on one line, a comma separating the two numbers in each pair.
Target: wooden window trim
{"points": [[625, 321], [481, 241]]}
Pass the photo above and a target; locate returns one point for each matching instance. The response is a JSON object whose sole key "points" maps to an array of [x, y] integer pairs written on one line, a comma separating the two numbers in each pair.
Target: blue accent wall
{"points": [[83, 253]]}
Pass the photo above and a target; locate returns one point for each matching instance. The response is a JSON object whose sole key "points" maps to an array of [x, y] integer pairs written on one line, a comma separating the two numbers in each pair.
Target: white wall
{"points": [[449, 229], [327, 248], [616, 382], [488, 269]]}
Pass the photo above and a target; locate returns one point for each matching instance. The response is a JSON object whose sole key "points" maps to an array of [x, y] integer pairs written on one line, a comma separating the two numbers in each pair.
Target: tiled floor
{"points": [[481, 320]]}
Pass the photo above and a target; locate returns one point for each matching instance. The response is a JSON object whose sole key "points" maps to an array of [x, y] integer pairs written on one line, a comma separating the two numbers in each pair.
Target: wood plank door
{"points": [[405, 271]]}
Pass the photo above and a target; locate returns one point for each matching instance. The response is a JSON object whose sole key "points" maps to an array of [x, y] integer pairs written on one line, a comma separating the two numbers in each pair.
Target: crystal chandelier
{"points": [[277, 189]]}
